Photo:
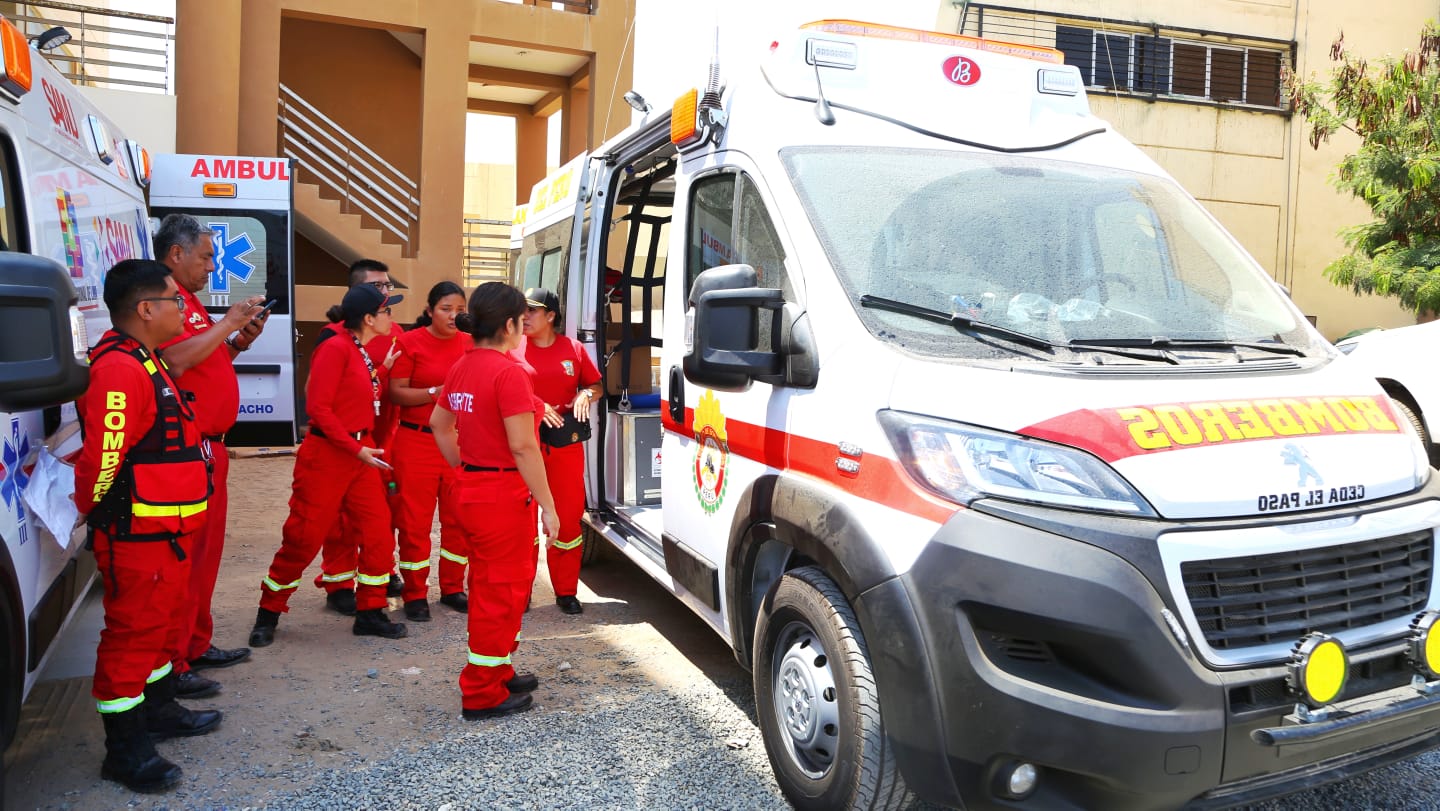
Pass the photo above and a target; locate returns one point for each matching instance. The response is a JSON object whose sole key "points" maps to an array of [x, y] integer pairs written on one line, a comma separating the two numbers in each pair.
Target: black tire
{"points": [[590, 553], [825, 736], [1408, 412]]}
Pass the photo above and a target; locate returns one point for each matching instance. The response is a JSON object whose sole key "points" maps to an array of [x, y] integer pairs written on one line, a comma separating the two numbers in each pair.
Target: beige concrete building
{"points": [[371, 98], [1197, 86]]}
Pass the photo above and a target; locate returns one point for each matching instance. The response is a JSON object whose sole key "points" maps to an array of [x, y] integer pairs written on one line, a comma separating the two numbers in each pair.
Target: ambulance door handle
{"points": [[677, 395]]}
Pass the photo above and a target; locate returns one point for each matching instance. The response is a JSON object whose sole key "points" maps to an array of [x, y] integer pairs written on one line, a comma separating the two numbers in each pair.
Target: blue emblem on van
{"points": [[230, 258], [13, 475]]}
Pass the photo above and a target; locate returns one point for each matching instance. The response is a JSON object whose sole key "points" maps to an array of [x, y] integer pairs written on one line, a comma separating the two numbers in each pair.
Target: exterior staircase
{"points": [[347, 237]]}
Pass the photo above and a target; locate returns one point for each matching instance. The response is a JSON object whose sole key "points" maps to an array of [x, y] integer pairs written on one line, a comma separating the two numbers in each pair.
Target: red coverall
{"points": [[339, 552], [558, 372], [145, 582], [330, 480], [497, 515], [421, 473], [217, 401]]}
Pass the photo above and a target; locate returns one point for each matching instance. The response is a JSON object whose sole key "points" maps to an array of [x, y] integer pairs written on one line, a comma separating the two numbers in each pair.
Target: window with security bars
{"points": [[1140, 63]]}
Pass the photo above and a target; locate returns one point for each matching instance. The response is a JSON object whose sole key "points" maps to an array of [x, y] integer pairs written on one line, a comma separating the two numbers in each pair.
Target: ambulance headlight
{"points": [[963, 463]]}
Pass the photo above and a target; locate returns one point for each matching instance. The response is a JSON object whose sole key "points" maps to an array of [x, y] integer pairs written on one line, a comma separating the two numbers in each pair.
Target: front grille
{"points": [[1262, 599]]}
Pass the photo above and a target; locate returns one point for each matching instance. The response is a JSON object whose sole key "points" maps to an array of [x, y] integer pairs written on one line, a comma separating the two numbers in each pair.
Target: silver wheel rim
{"points": [[806, 705]]}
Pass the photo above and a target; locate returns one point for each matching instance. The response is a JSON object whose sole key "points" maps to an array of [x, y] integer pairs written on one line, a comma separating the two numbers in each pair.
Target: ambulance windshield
{"points": [[1069, 253]]}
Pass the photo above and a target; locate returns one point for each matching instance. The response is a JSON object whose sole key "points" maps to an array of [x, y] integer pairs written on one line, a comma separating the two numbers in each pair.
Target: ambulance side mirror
{"points": [[42, 338], [723, 333]]}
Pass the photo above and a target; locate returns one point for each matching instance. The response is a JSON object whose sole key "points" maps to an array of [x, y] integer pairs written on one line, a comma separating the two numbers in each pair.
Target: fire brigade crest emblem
{"points": [[712, 453]]}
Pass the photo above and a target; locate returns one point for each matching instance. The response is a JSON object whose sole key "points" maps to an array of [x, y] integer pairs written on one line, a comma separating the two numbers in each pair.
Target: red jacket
{"points": [[340, 396]]}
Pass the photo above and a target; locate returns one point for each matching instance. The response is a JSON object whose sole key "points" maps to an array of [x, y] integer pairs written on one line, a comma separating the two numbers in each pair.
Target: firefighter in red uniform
{"points": [[485, 425], [337, 472], [142, 482], [339, 553], [421, 473], [566, 380], [201, 359]]}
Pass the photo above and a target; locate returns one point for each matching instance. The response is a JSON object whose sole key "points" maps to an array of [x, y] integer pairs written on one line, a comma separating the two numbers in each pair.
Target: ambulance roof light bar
{"points": [[856, 28], [15, 70]]}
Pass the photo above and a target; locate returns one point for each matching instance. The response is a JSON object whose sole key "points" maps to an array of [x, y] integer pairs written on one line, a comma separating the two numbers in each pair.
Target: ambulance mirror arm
{"points": [[723, 350], [822, 107]]}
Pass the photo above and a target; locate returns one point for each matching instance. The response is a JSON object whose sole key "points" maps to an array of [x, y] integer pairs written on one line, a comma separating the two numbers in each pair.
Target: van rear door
{"points": [[247, 204]]}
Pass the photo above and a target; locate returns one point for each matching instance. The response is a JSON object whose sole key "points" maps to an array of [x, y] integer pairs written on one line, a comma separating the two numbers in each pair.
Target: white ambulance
{"points": [[71, 205], [1014, 480]]}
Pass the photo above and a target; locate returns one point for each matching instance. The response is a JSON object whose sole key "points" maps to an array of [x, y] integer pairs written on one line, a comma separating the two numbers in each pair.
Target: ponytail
{"points": [[335, 314]]}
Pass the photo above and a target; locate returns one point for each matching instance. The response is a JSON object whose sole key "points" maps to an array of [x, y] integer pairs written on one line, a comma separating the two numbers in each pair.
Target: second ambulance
{"points": [[1012, 477]]}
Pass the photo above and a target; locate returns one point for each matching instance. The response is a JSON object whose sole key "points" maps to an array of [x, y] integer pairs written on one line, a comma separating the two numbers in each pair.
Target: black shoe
{"points": [[523, 683], [190, 685], [375, 623], [417, 610], [264, 631], [396, 587], [130, 756], [218, 657], [342, 600], [166, 718], [517, 702], [457, 601], [569, 604]]}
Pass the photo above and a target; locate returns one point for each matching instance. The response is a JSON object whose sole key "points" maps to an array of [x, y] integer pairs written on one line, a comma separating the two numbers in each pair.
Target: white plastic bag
{"points": [[49, 496]]}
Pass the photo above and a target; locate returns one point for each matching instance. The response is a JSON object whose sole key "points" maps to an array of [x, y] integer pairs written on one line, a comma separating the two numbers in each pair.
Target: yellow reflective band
{"points": [[119, 704], [158, 673], [180, 510], [488, 661], [273, 586], [414, 567], [568, 545], [517, 636], [452, 557], [374, 579], [337, 578], [539, 539], [149, 365]]}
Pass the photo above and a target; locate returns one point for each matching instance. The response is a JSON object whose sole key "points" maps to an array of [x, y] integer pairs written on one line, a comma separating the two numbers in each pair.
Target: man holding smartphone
{"points": [[201, 360]]}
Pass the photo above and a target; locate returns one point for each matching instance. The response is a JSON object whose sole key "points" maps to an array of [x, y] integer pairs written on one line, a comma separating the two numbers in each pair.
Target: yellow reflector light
{"points": [[682, 118], [1318, 669], [856, 28], [218, 189], [15, 75], [1423, 651]]}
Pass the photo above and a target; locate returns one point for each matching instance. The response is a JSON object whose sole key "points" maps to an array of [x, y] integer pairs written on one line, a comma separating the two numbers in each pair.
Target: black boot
{"points": [[130, 756], [264, 631], [456, 600], [375, 623], [417, 610], [167, 718], [341, 600]]}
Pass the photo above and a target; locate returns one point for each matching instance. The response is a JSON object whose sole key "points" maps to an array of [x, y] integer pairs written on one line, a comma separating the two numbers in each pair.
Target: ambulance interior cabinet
{"points": [[632, 463]]}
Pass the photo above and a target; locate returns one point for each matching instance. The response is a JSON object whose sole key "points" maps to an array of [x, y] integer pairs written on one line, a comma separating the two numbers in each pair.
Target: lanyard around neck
{"points": [[370, 367]]}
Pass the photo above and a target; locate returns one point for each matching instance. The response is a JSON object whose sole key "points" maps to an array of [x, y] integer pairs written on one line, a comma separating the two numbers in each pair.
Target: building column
{"points": [[260, 90], [444, 76], [531, 134], [575, 127], [207, 91]]}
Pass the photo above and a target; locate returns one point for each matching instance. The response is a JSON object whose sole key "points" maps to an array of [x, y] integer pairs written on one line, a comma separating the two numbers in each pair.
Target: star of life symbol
{"points": [[13, 476], [1294, 455], [229, 258]]}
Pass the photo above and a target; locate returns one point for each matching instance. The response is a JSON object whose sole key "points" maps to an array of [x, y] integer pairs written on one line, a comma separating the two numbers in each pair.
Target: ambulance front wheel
{"points": [[816, 699]]}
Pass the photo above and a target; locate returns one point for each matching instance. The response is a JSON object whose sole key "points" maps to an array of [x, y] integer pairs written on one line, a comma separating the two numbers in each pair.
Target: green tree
{"points": [[1393, 106]]}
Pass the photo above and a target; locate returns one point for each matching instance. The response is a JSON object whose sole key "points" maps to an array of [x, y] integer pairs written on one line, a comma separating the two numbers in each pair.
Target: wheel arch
{"points": [[1398, 391]]}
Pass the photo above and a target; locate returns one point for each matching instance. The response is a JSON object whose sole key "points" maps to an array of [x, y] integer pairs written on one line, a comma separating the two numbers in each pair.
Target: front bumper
{"points": [[1008, 641]]}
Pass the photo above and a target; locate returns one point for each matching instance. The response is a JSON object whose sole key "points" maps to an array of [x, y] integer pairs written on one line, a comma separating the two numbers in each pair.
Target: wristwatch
{"points": [[431, 391], [589, 394]]}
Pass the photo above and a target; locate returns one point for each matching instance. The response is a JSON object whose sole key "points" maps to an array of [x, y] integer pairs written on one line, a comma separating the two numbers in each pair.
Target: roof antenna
{"points": [[822, 107], [712, 114]]}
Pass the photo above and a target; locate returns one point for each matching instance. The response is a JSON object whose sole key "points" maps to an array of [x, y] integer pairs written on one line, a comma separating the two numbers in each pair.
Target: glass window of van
{"points": [[730, 225], [12, 235], [1057, 250]]}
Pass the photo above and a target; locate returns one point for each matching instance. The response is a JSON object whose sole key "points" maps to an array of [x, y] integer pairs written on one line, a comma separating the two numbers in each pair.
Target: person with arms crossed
{"points": [[201, 359], [485, 424], [142, 483], [337, 472], [423, 477]]}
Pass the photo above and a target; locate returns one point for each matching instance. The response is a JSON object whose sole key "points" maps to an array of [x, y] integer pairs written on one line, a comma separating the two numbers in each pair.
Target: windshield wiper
{"points": [[959, 322], [1192, 343]]}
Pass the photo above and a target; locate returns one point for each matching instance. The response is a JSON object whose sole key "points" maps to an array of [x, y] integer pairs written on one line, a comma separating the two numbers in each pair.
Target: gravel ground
{"points": [[640, 706]]}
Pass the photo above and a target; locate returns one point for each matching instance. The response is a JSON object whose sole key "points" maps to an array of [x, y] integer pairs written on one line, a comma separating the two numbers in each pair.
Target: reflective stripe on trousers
{"points": [[488, 661]]}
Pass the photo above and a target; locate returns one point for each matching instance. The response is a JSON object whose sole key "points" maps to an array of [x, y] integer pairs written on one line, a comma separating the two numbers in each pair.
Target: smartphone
{"points": [[382, 464], [264, 311]]}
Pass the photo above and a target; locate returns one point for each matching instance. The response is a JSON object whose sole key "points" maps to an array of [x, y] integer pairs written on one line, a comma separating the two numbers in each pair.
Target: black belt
{"points": [[415, 426], [356, 435], [469, 468], [213, 437]]}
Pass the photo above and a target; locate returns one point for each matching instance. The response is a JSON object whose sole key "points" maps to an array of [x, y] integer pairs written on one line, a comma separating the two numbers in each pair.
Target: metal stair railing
{"points": [[487, 251], [365, 182], [107, 46]]}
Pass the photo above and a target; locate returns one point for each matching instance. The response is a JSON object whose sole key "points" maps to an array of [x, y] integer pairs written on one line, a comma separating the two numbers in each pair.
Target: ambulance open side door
{"points": [[248, 205]]}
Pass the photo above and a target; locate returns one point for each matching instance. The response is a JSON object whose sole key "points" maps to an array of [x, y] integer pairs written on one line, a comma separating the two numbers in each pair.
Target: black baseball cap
{"points": [[362, 300], [543, 299]]}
